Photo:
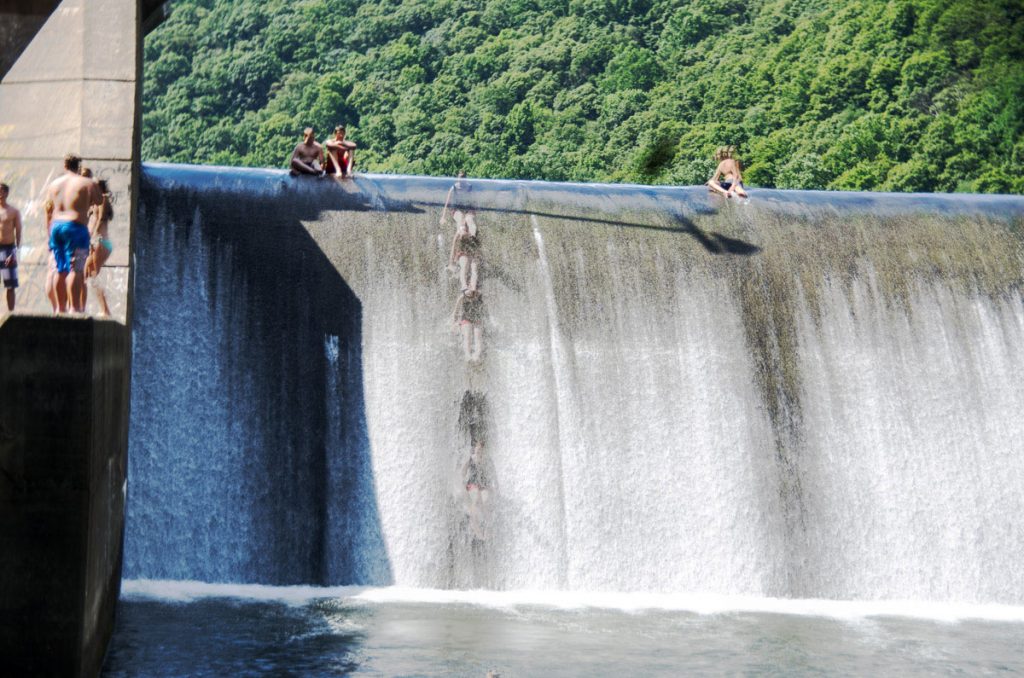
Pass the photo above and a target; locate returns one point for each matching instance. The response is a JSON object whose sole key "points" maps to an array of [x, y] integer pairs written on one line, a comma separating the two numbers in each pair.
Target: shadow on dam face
{"points": [[268, 478]]}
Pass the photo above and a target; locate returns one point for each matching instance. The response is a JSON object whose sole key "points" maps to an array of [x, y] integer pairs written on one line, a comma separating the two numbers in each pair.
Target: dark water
{"points": [[324, 636]]}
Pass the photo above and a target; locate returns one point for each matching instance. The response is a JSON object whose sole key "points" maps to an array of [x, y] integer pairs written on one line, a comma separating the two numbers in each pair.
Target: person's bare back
{"points": [[72, 197]]}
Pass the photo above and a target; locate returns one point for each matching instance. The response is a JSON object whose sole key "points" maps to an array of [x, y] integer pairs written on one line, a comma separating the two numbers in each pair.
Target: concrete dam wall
{"points": [[806, 395]]}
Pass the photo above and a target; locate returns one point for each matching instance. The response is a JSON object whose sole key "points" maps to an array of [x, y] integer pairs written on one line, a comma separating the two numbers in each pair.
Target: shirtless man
{"points": [[339, 154], [306, 156], [10, 241], [72, 196], [729, 171]]}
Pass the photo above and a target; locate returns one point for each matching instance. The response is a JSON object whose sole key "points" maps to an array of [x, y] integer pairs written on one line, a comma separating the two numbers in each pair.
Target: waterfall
{"points": [[805, 395]]}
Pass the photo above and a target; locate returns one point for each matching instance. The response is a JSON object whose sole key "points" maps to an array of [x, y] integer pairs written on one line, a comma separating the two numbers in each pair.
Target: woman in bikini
{"points": [[101, 247], [729, 171]]}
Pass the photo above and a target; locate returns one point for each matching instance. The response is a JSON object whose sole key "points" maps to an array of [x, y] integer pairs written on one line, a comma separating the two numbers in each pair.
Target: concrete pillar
{"points": [[63, 438], [64, 382], [74, 88]]}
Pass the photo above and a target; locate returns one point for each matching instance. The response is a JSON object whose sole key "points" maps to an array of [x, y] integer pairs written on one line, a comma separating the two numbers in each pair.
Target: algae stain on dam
{"points": [[810, 395]]}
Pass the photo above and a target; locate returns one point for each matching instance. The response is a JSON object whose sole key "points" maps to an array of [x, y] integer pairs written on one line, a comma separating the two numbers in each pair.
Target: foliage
{"points": [[901, 95]]}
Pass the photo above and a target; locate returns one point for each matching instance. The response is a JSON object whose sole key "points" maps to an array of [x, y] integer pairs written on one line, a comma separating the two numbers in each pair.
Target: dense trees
{"points": [[904, 95]]}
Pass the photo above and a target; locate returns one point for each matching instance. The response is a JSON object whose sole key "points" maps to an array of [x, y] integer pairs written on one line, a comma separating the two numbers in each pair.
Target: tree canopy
{"points": [[900, 95]]}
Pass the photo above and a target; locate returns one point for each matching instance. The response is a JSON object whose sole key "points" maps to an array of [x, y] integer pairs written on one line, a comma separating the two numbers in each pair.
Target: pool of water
{"points": [[177, 629]]}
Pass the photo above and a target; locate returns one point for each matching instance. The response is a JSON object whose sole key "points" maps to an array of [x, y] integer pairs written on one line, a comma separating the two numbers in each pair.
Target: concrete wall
{"points": [[70, 84], [63, 442], [74, 88]]}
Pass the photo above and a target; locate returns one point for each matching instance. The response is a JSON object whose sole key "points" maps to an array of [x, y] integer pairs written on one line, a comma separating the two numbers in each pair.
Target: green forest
{"points": [[891, 95]]}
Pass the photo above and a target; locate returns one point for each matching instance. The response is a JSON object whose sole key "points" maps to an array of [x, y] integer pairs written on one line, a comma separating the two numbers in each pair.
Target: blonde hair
{"points": [[725, 153]]}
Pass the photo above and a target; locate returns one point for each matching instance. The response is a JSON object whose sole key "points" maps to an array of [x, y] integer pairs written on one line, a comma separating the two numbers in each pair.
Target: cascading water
{"points": [[810, 395]]}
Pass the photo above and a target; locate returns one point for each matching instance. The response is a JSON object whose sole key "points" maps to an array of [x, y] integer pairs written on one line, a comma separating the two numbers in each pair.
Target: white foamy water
{"points": [[629, 432], [632, 602]]}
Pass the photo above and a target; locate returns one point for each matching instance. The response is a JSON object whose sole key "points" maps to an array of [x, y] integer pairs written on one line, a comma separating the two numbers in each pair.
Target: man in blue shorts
{"points": [[72, 197]]}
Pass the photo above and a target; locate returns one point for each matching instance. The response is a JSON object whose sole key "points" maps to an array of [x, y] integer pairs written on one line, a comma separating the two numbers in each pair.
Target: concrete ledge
{"points": [[63, 445]]}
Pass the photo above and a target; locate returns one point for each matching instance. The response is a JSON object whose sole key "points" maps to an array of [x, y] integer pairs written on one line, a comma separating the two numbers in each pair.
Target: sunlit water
{"points": [[202, 630], [729, 410]]}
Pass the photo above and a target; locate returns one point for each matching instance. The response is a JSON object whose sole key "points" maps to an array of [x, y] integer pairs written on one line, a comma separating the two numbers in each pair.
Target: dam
{"points": [[804, 396]]}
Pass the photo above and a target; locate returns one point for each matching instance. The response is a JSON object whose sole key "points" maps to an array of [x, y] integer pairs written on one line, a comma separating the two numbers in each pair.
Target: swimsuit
{"points": [[69, 241], [728, 184], [472, 310], [469, 245], [475, 476], [105, 242], [8, 275], [342, 158]]}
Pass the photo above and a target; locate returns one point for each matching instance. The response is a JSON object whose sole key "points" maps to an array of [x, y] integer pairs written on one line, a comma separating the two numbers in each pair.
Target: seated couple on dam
{"points": [[334, 158]]}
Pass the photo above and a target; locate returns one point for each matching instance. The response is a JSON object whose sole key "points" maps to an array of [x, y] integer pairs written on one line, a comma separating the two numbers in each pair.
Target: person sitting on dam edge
{"points": [[729, 171], [339, 154], [10, 242], [306, 156], [72, 196]]}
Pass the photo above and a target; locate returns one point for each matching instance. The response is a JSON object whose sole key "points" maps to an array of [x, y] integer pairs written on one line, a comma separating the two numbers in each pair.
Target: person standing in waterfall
{"points": [[306, 156], [101, 247], [339, 154], [475, 474], [727, 179], [478, 491], [10, 243], [468, 318], [458, 200], [466, 253]]}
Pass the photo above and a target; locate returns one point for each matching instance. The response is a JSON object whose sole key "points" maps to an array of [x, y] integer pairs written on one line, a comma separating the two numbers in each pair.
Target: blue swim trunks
{"points": [[69, 241]]}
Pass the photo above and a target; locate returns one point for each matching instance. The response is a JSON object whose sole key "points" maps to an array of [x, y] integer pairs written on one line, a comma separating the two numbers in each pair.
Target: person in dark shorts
{"points": [[727, 179], [469, 317], [10, 242], [466, 253]]}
